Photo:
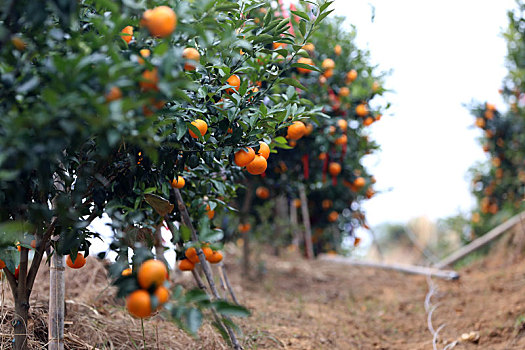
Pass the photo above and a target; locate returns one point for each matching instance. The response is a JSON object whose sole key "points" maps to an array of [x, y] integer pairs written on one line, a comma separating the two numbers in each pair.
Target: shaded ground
{"points": [[307, 305]]}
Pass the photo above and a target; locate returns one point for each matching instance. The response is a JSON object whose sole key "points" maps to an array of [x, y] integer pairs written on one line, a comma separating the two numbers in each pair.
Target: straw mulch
{"points": [[95, 318]]}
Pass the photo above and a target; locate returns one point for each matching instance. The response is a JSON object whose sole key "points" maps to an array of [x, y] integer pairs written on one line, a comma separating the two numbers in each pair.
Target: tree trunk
{"points": [[306, 221], [57, 288], [281, 213], [159, 247], [294, 225], [21, 304], [246, 237]]}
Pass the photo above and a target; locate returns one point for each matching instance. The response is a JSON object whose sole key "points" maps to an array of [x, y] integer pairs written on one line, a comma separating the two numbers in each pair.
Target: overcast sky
{"points": [[443, 54]]}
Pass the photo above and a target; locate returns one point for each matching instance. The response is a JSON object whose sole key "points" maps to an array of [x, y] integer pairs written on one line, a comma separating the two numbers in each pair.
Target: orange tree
{"points": [[499, 184], [105, 104], [324, 153]]}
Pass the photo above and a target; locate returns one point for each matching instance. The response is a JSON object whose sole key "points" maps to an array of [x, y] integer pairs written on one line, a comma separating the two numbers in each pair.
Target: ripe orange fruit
{"points": [[150, 79], [490, 106], [496, 162], [309, 129], [190, 54], [334, 168], [480, 123], [191, 255], [342, 124], [328, 63], [338, 50], [160, 21], [370, 193], [201, 125], [357, 240], [322, 79], [368, 121], [327, 203], [297, 203], [215, 258], [179, 182], [243, 228], [344, 91], [375, 86], [244, 156], [351, 76], [486, 147], [278, 45], [80, 261], [322, 156], [138, 304], [257, 166], [309, 47], [18, 43], [207, 252], [264, 150], [163, 295], [262, 192], [305, 60], [152, 273], [328, 73], [2, 264], [144, 53], [296, 130], [493, 209], [235, 82], [361, 110], [128, 34], [333, 216], [359, 182], [209, 212], [186, 265], [341, 140], [113, 94], [127, 272]]}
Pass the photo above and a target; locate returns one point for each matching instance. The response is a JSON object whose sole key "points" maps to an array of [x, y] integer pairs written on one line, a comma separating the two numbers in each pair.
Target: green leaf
{"points": [[227, 309], [193, 319], [185, 232], [292, 82]]}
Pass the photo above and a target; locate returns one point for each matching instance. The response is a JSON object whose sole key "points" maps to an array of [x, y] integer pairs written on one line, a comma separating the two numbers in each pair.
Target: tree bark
{"points": [[246, 236], [159, 248], [294, 225], [21, 304], [56, 302], [306, 221]]}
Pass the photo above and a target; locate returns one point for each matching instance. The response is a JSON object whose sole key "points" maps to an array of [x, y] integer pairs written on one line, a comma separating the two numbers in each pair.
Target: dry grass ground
{"points": [[302, 305]]}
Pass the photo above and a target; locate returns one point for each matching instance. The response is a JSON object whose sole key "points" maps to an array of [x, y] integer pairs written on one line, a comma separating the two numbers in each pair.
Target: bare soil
{"points": [[298, 304]]}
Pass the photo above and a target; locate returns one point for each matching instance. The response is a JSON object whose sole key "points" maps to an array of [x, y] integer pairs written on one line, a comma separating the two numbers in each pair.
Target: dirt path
{"points": [[309, 305], [319, 305]]}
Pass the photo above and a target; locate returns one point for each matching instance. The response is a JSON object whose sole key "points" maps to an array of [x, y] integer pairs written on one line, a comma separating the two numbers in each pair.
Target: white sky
{"points": [[443, 54]]}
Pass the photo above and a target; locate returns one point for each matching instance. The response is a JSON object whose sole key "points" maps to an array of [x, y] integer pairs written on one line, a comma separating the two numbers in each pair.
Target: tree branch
{"points": [[41, 245]]}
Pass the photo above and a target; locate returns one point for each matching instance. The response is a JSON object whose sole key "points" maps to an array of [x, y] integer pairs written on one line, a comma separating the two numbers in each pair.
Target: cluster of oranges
{"points": [[191, 257], [255, 163], [151, 278]]}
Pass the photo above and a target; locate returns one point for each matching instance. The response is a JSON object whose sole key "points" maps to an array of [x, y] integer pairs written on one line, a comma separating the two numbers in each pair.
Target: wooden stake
{"points": [[481, 241], [411, 269], [56, 302], [306, 221]]}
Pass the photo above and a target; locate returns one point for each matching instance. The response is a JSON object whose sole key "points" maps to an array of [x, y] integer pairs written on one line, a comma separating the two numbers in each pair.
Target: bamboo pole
{"points": [[306, 221], [481, 241], [57, 287], [410, 269], [56, 302]]}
